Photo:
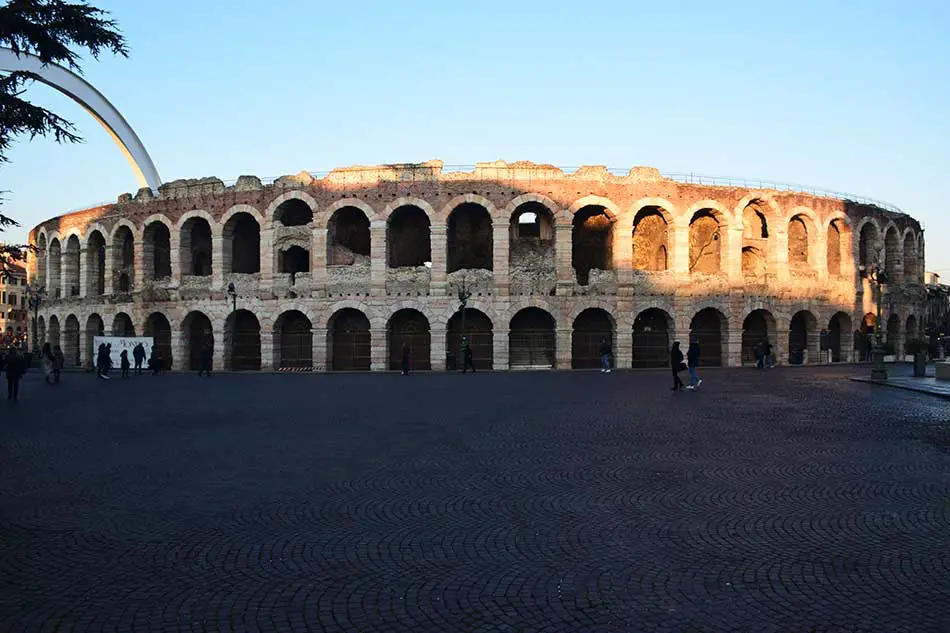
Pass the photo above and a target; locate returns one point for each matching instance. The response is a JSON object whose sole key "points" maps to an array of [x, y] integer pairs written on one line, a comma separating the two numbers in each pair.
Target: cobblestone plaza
{"points": [[783, 500]]}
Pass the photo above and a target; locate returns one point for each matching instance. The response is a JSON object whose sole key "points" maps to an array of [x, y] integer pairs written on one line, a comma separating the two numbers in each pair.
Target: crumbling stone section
{"points": [[599, 282], [410, 281], [191, 188], [532, 268], [705, 244], [477, 281], [349, 279]]}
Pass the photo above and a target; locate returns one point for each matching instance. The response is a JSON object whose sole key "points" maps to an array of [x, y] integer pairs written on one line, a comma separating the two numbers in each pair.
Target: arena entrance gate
{"points": [[478, 329], [531, 340], [411, 327], [295, 335], [244, 333], [651, 339], [758, 327], [349, 342], [840, 333], [707, 327], [198, 332], [591, 327], [160, 330]]}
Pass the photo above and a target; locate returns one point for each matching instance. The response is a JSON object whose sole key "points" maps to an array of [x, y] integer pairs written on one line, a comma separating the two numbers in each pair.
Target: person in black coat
{"points": [[207, 359], [15, 368], [676, 365], [405, 358], [692, 362]]}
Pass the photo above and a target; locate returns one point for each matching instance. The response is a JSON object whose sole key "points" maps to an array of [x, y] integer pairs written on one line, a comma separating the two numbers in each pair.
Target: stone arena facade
{"points": [[338, 272]]}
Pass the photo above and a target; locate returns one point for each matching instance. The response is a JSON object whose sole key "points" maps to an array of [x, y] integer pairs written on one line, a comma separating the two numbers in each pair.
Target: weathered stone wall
{"points": [[689, 255]]}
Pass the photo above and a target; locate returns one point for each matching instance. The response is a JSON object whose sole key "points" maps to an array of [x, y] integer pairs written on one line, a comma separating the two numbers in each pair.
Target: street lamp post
{"points": [[229, 332], [35, 298], [877, 275]]}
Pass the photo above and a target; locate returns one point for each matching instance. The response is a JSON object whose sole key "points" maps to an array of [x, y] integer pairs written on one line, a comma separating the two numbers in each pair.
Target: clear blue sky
{"points": [[845, 95]]}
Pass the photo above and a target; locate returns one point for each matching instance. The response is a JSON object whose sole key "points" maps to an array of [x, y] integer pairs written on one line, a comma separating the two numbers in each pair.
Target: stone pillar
{"points": [[174, 258], [437, 349], [377, 249], [501, 274], [109, 273], [732, 347], [138, 265], [220, 344], [780, 269], [679, 263], [217, 265], [377, 354], [83, 273], [267, 349], [439, 260], [563, 250], [318, 263], [730, 254], [623, 348], [562, 352], [179, 358], [268, 257], [500, 348], [780, 345], [623, 259], [819, 259], [321, 362]]}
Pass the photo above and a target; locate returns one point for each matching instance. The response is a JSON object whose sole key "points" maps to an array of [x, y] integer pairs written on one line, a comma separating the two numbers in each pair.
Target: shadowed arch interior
{"points": [[71, 267], [95, 264], [293, 212], [157, 251], [650, 240], [198, 333], [478, 330], [651, 338], [592, 237], [242, 244], [195, 247], [94, 327], [531, 340], [833, 249], [840, 337], [758, 327], [911, 274], [71, 344], [591, 328], [242, 335], [798, 243], [469, 242], [531, 251], [158, 327], [407, 238], [708, 326], [123, 266], [349, 341], [293, 332], [122, 325], [348, 238], [409, 327], [55, 269], [705, 243], [803, 338], [53, 336], [868, 245]]}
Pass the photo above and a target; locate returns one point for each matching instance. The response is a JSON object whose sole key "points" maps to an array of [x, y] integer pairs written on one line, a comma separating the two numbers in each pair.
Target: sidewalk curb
{"points": [[905, 387]]}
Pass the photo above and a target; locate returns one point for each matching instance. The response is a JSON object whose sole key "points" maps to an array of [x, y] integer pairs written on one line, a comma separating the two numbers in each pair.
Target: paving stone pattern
{"points": [[783, 500]]}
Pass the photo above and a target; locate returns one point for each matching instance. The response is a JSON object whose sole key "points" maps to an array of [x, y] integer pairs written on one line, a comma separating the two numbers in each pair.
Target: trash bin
{"points": [[450, 364]]}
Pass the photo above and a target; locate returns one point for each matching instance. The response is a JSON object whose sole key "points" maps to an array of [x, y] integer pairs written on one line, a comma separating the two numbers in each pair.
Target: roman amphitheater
{"points": [[337, 272]]}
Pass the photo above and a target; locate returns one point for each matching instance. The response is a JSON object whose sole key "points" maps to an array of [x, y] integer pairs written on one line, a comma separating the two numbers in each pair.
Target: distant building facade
{"points": [[14, 307]]}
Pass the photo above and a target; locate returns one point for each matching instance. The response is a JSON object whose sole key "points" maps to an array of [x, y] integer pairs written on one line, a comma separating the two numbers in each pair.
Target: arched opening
{"points": [[478, 330], [158, 327], [894, 332], [157, 251], [704, 243], [833, 249], [41, 261], [242, 244], [71, 266], [592, 239], [531, 340], [293, 212], [650, 239], [123, 262], [95, 264], [708, 327], [531, 262], [53, 334], [868, 245], [122, 325], [242, 334], [409, 327], [910, 260], [839, 331], [94, 327], [892, 255], [753, 262], [198, 335], [757, 328], [798, 242], [755, 241], [71, 346], [407, 238], [40, 334], [651, 338], [294, 260], [803, 338], [55, 269], [195, 248], [864, 337], [348, 238], [469, 243], [592, 327], [294, 333], [349, 341], [910, 333]]}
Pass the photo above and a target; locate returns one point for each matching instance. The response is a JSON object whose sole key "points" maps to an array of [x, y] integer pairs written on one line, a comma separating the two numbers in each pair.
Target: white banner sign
{"points": [[120, 343]]}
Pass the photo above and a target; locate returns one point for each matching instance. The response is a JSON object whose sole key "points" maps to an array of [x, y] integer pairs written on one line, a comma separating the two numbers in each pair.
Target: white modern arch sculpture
{"points": [[83, 93]]}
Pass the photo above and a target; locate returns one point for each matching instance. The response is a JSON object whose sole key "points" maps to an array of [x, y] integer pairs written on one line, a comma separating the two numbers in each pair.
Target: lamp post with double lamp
{"points": [[876, 274], [35, 298]]}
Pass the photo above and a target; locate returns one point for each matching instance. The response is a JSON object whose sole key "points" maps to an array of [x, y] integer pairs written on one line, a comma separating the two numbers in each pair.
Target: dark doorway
{"points": [[531, 340], [758, 327], [294, 333], [478, 329], [198, 333], [707, 326], [651, 339], [242, 331], [160, 330], [591, 328], [412, 327], [349, 336]]}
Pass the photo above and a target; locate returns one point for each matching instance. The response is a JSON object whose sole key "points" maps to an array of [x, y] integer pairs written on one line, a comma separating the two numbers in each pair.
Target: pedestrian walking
{"points": [[49, 362], [676, 365], [692, 362], [15, 368], [124, 364], [467, 356], [768, 361], [604, 356], [59, 361], [138, 355], [405, 358], [207, 359]]}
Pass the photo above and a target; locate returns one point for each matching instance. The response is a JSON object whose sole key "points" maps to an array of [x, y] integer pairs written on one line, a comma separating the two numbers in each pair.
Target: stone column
{"points": [[268, 257], [623, 348], [179, 358], [378, 357], [780, 345], [437, 349], [267, 349], [138, 265], [820, 258], [439, 260], [563, 250], [83, 273], [780, 271], [108, 274], [623, 259], [732, 347], [174, 258], [679, 262], [500, 348], [220, 344], [500, 269], [730, 254], [217, 265], [562, 352], [321, 362], [318, 263], [377, 249]]}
